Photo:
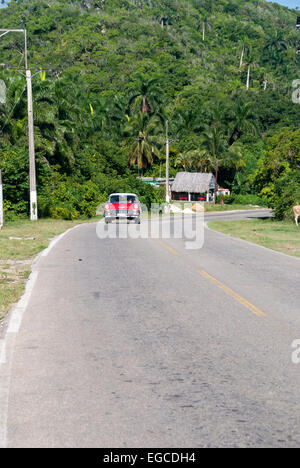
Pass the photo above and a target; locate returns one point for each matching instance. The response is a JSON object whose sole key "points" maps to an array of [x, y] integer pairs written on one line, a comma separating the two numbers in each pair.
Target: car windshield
{"points": [[123, 199]]}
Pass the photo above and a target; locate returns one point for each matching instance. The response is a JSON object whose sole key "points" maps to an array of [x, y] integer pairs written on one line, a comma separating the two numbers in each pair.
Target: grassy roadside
{"points": [[282, 236], [209, 207], [20, 242]]}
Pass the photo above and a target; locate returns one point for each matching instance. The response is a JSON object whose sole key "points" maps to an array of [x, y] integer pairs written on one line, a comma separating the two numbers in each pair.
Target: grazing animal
{"points": [[296, 211]]}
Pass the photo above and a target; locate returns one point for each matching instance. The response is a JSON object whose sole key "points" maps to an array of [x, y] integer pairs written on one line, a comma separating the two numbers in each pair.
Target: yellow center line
{"points": [[221, 285], [173, 251], [233, 294]]}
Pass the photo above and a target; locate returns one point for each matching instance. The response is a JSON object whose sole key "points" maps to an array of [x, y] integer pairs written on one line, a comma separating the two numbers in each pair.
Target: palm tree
{"points": [[185, 160], [58, 110], [274, 47], [13, 111], [200, 161], [186, 120], [218, 152], [205, 26], [141, 134], [116, 112], [250, 63], [242, 56], [146, 96], [243, 121]]}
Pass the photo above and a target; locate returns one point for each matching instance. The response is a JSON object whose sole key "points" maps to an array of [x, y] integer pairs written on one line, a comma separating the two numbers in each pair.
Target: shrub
{"points": [[248, 199], [13, 211], [64, 198], [287, 195], [15, 168], [228, 199]]}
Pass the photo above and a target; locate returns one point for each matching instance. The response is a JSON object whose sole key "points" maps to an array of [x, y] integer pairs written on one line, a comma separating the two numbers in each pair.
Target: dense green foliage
{"points": [[220, 72]]}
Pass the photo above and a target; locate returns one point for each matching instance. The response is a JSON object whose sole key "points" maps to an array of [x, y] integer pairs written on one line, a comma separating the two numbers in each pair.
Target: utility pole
{"points": [[32, 170], [1, 202], [167, 163]]}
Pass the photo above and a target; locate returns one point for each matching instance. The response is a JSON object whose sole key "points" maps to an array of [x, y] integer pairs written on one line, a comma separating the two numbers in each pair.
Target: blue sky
{"points": [[288, 3]]}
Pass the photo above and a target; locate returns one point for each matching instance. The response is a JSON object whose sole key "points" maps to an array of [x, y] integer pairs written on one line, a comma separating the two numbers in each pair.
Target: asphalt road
{"points": [[142, 343]]}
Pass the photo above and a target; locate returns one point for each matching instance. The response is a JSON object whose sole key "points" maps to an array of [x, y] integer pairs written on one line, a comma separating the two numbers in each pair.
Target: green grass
{"points": [[16, 255], [35, 236], [209, 207], [282, 236], [12, 283]]}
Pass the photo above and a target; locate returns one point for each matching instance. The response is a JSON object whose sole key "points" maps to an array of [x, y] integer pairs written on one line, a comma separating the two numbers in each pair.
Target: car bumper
{"points": [[121, 216]]}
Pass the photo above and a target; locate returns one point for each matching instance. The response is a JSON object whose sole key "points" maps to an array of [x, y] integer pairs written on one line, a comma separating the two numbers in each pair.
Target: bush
{"points": [[287, 195], [64, 198], [228, 200], [14, 163], [249, 199], [13, 211], [15, 167]]}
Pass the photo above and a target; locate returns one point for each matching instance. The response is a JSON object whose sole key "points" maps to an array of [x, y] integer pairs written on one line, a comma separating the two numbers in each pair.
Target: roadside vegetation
{"points": [[20, 242], [282, 236], [220, 72], [234, 207]]}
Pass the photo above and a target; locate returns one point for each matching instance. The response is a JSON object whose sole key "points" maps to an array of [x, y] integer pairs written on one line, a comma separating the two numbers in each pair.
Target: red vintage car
{"points": [[122, 206]]}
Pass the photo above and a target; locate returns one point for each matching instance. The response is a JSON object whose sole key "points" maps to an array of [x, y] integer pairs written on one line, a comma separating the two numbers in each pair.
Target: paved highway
{"points": [[142, 343]]}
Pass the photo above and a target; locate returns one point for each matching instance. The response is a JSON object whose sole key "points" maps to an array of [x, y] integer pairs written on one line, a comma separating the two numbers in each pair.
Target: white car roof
{"points": [[123, 194]]}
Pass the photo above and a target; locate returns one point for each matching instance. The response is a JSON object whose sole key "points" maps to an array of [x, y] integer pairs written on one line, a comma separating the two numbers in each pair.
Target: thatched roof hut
{"points": [[193, 182]]}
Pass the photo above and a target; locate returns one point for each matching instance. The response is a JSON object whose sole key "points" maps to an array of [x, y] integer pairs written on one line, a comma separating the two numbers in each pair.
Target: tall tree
{"points": [[205, 25], [242, 121], [146, 97], [217, 150], [142, 137], [185, 160], [274, 47]]}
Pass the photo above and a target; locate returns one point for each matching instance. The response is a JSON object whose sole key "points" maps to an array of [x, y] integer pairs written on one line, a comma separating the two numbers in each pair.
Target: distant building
{"points": [[223, 191], [156, 181], [193, 186]]}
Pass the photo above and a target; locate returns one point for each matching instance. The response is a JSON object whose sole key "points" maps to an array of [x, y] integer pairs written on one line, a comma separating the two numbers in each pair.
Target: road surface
{"points": [[142, 343]]}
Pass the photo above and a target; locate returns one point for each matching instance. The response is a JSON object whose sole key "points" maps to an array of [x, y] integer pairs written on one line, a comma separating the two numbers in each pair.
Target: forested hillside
{"points": [[220, 72]]}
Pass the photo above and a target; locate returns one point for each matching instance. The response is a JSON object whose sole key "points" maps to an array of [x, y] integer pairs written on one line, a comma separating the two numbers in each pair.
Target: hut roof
{"points": [[193, 182]]}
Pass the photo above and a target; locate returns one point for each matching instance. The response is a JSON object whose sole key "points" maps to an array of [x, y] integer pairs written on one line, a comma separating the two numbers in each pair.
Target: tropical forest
{"points": [[107, 77]]}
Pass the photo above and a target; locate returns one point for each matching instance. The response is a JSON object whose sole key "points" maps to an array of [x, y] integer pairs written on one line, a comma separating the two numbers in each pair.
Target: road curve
{"points": [[142, 343]]}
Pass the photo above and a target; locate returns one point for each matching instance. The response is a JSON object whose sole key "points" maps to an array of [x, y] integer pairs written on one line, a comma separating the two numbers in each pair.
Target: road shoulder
{"points": [[280, 238]]}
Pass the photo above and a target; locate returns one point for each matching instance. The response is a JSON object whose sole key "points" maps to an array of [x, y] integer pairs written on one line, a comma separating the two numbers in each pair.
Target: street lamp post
{"points": [[32, 170]]}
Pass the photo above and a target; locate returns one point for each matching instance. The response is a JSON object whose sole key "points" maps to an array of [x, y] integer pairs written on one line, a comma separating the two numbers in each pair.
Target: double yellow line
{"points": [[241, 300]]}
